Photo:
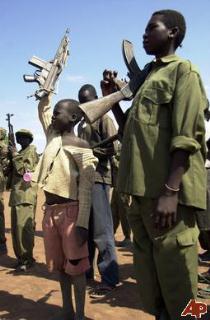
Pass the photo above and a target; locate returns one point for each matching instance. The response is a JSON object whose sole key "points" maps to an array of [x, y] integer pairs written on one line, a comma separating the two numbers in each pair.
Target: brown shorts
{"points": [[61, 248]]}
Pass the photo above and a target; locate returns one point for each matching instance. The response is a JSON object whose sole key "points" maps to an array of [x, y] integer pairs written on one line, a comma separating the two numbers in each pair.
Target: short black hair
{"points": [[87, 87], [72, 107], [173, 18]]}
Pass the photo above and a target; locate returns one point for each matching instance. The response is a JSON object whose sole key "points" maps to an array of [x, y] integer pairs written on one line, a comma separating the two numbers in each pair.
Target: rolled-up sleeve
{"points": [[188, 113]]}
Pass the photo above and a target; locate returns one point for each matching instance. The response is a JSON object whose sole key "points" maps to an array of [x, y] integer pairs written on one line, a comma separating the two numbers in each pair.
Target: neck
{"points": [[69, 132], [167, 52], [24, 147]]}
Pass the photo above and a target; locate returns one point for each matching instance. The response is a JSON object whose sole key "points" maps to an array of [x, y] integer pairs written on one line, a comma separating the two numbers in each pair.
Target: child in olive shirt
{"points": [[163, 155]]}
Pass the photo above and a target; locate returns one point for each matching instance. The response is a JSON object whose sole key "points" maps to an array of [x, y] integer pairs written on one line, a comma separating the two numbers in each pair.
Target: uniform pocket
{"points": [[154, 107], [188, 237]]}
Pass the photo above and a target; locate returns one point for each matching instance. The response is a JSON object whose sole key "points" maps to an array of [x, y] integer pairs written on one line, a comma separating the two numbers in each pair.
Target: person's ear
{"points": [[173, 32], [73, 117]]}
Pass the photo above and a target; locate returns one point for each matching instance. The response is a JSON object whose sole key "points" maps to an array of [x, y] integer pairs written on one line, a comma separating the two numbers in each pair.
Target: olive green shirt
{"points": [[23, 192], [167, 113]]}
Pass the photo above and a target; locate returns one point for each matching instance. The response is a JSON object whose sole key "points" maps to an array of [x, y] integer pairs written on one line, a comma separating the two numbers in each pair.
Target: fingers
{"points": [[109, 75], [164, 220]]}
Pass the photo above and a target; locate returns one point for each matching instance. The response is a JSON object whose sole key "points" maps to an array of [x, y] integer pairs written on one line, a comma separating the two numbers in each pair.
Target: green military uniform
{"points": [[117, 205], [22, 201], [166, 115], [4, 162]]}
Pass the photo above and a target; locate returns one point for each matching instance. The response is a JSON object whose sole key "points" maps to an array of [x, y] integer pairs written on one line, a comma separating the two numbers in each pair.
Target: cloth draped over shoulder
{"points": [[167, 114], [66, 171]]}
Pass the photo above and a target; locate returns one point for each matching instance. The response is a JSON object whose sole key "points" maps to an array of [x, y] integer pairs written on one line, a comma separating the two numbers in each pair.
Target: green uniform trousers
{"points": [[2, 220], [23, 229], [166, 262], [119, 214]]}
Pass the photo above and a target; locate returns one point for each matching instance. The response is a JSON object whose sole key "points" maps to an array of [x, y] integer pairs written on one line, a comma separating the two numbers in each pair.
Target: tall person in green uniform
{"points": [[23, 200], [163, 155], [4, 161]]}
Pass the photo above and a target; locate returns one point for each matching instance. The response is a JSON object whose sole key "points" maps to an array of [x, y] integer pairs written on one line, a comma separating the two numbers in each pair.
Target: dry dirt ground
{"points": [[35, 295]]}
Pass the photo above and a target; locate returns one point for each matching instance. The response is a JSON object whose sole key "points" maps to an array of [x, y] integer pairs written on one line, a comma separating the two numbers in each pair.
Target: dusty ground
{"points": [[35, 294]]}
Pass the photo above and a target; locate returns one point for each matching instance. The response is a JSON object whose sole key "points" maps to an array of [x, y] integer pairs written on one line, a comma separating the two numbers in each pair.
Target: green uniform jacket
{"points": [[21, 191], [167, 114]]}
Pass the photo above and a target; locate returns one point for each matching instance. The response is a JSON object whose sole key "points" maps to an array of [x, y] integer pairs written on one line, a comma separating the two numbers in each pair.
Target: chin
{"points": [[149, 51]]}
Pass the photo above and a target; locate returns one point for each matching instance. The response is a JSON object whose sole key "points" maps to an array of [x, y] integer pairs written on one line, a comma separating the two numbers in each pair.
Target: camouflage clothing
{"points": [[4, 162], [23, 202]]}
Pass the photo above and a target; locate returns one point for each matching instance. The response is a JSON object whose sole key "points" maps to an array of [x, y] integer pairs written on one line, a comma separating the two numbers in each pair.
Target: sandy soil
{"points": [[36, 295]]}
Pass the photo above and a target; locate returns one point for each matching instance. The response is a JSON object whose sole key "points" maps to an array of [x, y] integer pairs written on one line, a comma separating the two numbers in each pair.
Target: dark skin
{"points": [[63, 120], [23, 140], [158, 40]]}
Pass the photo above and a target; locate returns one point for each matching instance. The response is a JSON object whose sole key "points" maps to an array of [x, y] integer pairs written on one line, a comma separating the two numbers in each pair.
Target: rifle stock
{"points": [[95, 109], [129, 59]]}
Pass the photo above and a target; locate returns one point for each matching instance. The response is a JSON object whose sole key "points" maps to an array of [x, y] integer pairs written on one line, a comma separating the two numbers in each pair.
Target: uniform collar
{"points": [[166, 59]]}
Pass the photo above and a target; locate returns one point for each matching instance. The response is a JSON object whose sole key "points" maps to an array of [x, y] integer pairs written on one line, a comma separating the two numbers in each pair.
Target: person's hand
{"points": [[81, 235], [110, 83], [12, 151], [165, 215]]}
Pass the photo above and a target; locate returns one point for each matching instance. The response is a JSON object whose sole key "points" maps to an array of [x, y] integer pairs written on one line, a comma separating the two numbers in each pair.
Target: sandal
{"points": [[101, 291], [204, 293], [204, 278]]}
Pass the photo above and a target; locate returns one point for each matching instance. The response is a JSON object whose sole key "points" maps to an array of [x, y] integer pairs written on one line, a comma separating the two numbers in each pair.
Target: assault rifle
{"points": [[11, 136], [48, 71]]}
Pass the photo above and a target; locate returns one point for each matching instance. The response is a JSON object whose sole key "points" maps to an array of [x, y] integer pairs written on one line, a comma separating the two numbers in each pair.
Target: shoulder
{"points": [[75, 142], [186, 67], [82, 143], [32, 149]]}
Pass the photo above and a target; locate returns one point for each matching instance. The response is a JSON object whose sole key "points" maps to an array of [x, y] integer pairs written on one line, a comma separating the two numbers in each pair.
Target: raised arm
{"points": [[45, 112], [111, 84]]}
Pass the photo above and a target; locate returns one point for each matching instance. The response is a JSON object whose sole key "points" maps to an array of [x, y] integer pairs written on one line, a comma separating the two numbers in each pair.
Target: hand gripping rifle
{"points": [[48, 71], [11, 136], [95, 109]]}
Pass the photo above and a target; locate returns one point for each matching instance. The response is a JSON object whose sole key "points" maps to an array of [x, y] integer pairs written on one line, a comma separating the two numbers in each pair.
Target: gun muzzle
{"points": [[28, 78]]}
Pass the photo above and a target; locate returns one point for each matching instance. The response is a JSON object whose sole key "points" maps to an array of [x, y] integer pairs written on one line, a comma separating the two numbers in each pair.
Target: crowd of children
{"points": [[161, 184]]}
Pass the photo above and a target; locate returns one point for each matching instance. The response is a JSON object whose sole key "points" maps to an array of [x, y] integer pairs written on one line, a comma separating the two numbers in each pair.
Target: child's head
{"points": [[66, 115], [165, 31], [87, 93], [24, 137]]}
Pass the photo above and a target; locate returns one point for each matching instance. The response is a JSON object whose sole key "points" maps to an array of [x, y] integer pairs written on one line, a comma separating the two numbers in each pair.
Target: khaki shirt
{"points": [[98, 131], [21, 191], [167, 114], [66, 171]]}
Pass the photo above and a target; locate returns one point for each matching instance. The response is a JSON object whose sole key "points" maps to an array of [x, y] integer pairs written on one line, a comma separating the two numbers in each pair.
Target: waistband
{"points": [[65, 205]]}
